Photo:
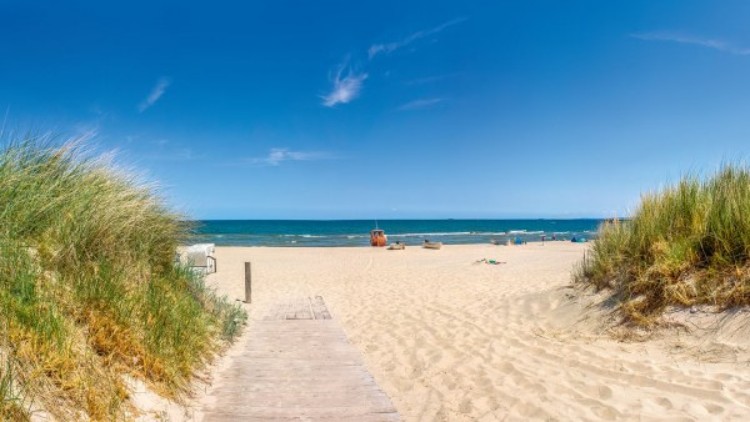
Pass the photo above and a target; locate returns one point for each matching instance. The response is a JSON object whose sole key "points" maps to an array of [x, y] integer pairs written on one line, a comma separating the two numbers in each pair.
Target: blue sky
{"points": [[290, 109]]}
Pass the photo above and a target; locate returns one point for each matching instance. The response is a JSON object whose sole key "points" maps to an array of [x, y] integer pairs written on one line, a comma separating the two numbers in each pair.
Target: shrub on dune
{"points": [[89, 289], [686, 245]]}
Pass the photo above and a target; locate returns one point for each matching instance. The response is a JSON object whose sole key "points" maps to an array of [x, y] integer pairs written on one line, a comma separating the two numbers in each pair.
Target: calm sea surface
{"points": [[356, 232]]}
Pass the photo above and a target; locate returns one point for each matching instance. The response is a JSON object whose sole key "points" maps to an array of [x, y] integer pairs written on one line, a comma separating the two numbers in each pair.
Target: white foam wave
{"points": [[488, 233], [430, 234]]}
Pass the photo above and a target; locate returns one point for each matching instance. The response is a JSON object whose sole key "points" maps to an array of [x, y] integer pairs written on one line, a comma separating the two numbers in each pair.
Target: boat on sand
{"points": [[377, 238], [432, 245]]}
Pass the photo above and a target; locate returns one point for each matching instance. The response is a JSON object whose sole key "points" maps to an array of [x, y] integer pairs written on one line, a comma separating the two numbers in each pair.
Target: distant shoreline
{"points": [[409, 245], [372, 220], [332, 233]]}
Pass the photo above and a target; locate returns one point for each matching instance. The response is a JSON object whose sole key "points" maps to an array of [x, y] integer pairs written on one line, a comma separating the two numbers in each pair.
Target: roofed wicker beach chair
{"points": [[201, 257]]}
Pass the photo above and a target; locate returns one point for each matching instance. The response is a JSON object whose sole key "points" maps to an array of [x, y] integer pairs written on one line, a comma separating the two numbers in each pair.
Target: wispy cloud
{"points": [[347, 82], [156, 93], [276, 156], [346, 86], [720, 45], [419, 104], [376, 49]]}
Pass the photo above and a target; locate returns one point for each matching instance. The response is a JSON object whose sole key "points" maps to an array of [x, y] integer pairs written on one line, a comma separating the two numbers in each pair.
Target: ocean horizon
{"points": [[332, 233]]}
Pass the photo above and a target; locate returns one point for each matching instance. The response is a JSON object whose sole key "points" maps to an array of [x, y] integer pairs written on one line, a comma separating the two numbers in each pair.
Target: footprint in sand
{"points": [[465, 406], [714, 409], [665, 403], [605, 393]]}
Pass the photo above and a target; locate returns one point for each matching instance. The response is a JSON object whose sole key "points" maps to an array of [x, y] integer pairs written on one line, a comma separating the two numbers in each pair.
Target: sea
{"points": [[308, 233]]}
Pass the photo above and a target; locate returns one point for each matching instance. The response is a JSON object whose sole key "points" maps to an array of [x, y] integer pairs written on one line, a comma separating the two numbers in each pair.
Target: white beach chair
{"points": [[210, 248], [201, 257]]}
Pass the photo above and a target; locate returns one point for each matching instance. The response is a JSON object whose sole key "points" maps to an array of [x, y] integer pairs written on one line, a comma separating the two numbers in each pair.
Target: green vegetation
{"points": [[89, 290], [686, 245]]}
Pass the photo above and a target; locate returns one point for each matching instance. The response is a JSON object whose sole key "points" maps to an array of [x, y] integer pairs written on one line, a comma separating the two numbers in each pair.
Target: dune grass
{"points": [[89, 290], [686, 245], [11, 402]]}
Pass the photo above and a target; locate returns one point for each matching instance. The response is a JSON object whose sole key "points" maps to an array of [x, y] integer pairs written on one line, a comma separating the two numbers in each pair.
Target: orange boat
{"points": [[377, 238]]}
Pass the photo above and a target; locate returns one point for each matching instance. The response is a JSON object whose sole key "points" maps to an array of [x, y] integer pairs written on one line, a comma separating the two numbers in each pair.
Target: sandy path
{"points": [[449, 339]]}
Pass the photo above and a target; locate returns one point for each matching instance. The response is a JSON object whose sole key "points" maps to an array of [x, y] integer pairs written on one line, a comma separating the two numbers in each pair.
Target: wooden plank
{"points": [[300, 360], [303, 412], [270, 323], [297, 364], [300, 389], [330, 386], [313, 400], [225, 417], [291, 355], [277, 375]]}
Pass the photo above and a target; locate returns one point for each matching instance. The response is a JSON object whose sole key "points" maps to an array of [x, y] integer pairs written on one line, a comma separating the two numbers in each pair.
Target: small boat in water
{"points": [[432, 245], [377, 238]]}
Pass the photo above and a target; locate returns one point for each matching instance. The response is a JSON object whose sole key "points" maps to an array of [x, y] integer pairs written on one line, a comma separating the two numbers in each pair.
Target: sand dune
{"points": [[451, 339]]}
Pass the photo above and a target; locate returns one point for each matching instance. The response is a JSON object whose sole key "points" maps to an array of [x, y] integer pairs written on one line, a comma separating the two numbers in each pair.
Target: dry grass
{"points": [[89, 289], [11, 400], [686, 245]]}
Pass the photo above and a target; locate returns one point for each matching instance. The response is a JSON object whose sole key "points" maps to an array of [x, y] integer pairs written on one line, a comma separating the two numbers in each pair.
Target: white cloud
{"points": [[376, 49], [418, 104], [715, 44], [345, 87], [276, 156], [156, 93]]}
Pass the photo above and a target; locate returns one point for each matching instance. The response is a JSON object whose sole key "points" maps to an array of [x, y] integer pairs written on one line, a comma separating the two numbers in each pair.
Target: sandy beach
{"points": [[450, 339]]}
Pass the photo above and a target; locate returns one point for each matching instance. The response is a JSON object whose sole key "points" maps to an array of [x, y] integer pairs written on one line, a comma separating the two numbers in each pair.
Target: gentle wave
{"points": [[526, 232], [429, 234]]}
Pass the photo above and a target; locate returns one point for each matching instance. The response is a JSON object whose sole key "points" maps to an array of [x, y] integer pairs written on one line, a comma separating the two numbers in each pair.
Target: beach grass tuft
{"points": [[686, 245], [90, 291]]}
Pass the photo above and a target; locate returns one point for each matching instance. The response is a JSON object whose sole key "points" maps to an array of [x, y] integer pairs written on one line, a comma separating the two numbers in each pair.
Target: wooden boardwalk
{"points": [[297, 365]]}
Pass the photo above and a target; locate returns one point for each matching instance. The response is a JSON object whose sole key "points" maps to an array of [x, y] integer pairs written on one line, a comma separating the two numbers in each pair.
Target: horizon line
{"points": [[404, 219]]}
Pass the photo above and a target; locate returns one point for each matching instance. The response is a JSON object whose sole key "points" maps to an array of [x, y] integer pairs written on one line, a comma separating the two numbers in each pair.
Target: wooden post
{"points": [[248, 284]]}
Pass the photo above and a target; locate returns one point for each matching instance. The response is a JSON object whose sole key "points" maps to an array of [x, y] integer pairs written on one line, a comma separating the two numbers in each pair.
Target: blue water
{"points": [[412, 232]]}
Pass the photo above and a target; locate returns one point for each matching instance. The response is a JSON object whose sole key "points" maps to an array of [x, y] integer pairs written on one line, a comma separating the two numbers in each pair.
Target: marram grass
{"points": [[686, 245], [89, 290]]}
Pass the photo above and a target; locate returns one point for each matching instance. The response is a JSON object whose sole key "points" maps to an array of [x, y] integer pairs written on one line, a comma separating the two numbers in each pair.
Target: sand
{"points": [[449, 339]]}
